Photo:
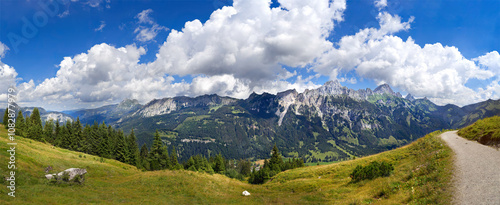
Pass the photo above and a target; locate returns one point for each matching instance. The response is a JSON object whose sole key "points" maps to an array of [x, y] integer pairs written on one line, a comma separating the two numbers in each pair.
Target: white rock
{"points": [[72, 173], [246, 193]]}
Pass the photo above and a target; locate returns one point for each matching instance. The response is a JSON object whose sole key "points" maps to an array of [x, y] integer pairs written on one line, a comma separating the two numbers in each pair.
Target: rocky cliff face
{"points": [[316, 101], [168, 105]]}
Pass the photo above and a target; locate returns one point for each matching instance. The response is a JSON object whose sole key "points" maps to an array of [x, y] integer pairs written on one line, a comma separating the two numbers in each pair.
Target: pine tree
{"points": [[164, 158], [5, 121], [133, 149], [173, 159], [275, 163], [35, 129], [57, 134], [144, 154], [219, 166], [112, 141], [121, 149], [48, 131], [20, 124], [94, 140], [156, 152], [77, 139], [102, 134], [86, 146], [69, 137]]}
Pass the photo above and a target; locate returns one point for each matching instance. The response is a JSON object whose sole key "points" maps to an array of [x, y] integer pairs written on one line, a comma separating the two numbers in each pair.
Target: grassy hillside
{"points": [[485, 131], [422, 173]]}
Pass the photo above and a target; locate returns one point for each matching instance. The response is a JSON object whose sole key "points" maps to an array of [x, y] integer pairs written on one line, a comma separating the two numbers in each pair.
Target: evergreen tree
{"points": [[27, 125], [133, 149], [69, 135], [86, 146], [144, 157], [156, 152], [64, 140], [102, 135], [20, 124], [48, 131], [275, 163], [35, 129], [77, 139], [94, 140], [244, 167], [5, 121], [165, 159], [219, 164], [57, 134], [112, 141], [173, 158], [121, 149]]}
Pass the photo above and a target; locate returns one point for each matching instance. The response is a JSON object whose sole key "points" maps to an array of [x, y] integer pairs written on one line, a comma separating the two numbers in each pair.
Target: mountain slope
{"points": [[330, 123], [420, 176], [109, 113]]}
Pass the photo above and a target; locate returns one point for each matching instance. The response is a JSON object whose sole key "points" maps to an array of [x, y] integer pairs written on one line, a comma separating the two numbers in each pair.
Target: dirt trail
{"points": [[477, 171]]}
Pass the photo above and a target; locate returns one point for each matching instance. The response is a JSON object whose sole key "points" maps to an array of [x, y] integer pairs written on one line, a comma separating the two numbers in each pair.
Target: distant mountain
{"points": [[331, 122], [109, 114], [44, 114]]}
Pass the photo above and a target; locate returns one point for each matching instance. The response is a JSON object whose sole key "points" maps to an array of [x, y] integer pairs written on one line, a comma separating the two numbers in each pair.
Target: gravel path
{"points": [[477, 171]]}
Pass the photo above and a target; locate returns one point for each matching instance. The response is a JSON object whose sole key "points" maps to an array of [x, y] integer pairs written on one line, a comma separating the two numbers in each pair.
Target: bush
{"points": [[372, 171]]}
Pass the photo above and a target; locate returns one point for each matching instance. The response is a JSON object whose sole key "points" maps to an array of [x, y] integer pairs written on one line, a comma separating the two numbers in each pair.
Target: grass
{"points": [[421, 176], [485, 131]]}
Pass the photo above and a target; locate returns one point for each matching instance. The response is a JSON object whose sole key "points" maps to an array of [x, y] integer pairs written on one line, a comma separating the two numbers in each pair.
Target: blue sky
{"points": [[85, 53]]}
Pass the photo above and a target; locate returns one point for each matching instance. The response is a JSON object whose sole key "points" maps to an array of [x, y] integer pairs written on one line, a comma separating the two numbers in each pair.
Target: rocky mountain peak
{"points": [[331, 88], [384, 89], [410, 97], [128, 103], [287, 92]]}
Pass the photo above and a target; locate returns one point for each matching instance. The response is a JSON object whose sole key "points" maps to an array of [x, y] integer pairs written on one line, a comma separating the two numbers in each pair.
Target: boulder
{"points": [[69, 175], [246, 193]]}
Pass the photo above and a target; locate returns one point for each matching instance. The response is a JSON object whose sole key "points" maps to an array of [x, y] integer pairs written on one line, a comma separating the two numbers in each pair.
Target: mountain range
{"points": [[329, 123]]}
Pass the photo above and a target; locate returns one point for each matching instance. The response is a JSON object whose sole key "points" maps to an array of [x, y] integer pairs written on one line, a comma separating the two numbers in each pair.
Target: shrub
{"points": [[373, 170]]}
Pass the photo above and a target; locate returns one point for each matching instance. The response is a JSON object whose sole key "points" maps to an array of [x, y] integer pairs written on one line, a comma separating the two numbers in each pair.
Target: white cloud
{"points": [[3, 50], [8, 76], [94, 3], [436, 71], [103, 24], [380, 4], [149, 31], [244, 48], [491, 61], [250, 40], [63, 14], [99, 75], [143, 16]]}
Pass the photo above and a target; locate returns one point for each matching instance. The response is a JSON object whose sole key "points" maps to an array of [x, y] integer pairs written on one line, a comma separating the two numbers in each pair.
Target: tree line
{"points": [[274, 166], [105, 141], [97, 139]]}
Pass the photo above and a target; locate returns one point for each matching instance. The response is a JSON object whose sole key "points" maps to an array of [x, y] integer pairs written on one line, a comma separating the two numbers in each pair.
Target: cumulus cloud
{"points": [[241, 49], [491, 61], [147, 29], [99, 75], [247, 47], [8, 75], [436, 71], [250, 40]]}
